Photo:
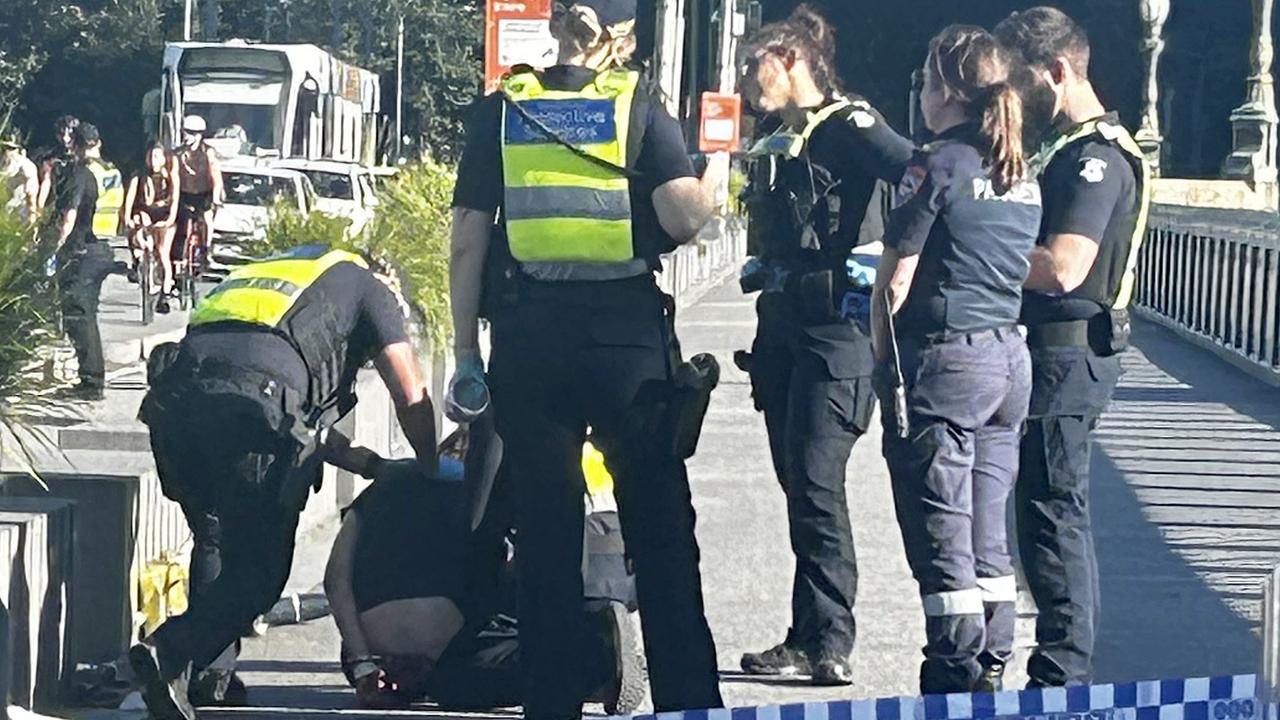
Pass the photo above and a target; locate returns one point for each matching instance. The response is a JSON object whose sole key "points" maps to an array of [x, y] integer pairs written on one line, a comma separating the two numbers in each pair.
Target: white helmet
{"points": [[194, 123]]}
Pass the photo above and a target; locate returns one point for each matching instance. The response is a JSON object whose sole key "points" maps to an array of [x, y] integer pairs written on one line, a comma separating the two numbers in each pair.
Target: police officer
{"points": [[592, 180], [82, 261], [810, 363], [237, 413], [1095, 184], [951, 280]]}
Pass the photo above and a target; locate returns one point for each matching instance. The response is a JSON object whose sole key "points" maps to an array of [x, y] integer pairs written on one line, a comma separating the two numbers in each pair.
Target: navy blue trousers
{"points": [[967, 401]]}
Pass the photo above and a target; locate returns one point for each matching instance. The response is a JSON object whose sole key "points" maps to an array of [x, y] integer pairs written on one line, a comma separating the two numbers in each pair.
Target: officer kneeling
{"points": [[237, 414]]}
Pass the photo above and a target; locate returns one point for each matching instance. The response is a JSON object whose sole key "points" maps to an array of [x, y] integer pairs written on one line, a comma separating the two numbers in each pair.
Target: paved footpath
{"points": [[1187, 482]]}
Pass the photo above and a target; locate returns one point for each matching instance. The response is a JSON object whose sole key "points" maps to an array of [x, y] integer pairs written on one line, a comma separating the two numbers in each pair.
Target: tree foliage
{"points": [[410, 229], [97, 58]]}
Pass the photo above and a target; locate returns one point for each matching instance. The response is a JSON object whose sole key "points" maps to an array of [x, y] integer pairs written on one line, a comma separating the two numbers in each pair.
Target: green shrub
{"points": [[28, 330], [410, 228], [289, 228]]}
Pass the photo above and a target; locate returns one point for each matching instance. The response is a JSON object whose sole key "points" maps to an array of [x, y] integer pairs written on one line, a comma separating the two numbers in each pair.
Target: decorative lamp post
{"points": [[1253, 124], [1154, 14]]}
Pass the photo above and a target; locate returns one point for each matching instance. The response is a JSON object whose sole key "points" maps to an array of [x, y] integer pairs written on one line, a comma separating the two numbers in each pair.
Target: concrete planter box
{"points": [[121, 523], [37, 560]]}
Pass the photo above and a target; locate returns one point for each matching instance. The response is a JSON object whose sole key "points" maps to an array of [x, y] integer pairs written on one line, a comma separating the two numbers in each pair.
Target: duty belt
{"points": [[1068, 333], [1001, 334]]}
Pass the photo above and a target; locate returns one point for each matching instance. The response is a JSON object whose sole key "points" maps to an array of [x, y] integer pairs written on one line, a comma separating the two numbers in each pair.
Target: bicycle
{"points": [[188, 269]]}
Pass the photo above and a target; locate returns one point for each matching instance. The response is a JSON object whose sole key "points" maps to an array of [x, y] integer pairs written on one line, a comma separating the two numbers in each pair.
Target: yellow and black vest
{"points": [[566, 217], [1110, 282], [265, 293]]}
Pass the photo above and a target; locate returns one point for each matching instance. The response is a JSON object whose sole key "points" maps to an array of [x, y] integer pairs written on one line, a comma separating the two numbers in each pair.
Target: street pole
{"points": [[186, 20], [399, 87]]}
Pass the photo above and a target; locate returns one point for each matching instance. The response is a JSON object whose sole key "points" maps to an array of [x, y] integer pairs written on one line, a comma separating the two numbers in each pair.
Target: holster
{"points": [[815, 295], [1114, 333], [690, 392]]}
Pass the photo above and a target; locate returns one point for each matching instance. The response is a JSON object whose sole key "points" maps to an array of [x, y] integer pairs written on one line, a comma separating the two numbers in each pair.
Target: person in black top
{"points": [[580, 338], [1076, 312], [238, 414], [810, 364], [54, 161], [422, 591], [82, 262], [951, 276]]}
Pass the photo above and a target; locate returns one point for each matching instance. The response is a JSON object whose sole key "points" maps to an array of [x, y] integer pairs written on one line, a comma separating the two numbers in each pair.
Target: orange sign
{"points": [[516, 32], [720, 130]]}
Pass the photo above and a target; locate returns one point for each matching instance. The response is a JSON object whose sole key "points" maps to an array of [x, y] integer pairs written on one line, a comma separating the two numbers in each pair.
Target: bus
{"points": [[261, 100]]}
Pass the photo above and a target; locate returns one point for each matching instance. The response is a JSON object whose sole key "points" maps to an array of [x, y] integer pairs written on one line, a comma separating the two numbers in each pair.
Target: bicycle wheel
{"points": [[144, 284]]}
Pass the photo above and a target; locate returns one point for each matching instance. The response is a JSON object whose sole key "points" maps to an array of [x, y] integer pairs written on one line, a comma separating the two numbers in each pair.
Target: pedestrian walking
{"points": [[54, 161], [20, 179], [951, 283], [238, 414], [810, 364], [593, 183], [82, 261], [1096, 185]]}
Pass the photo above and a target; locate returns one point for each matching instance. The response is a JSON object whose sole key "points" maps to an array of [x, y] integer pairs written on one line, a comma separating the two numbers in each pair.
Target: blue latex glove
{"points": [[862, 270], [856, 306], [468, 395], [451, 470]]}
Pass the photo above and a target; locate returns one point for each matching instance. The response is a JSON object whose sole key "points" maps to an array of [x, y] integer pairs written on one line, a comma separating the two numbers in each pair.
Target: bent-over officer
{"points": [[1095, 183], [592, 180], [237, 413], [810, 364]]}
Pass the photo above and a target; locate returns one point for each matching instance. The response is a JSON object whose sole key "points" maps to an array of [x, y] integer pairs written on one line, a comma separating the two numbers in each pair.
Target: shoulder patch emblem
{"points": [[1093, 170], [910, 185], [862, 119]]}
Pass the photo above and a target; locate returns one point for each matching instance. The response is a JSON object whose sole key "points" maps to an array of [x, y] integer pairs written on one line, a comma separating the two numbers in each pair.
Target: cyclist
{"points": [[152, 211], [199, 185]]}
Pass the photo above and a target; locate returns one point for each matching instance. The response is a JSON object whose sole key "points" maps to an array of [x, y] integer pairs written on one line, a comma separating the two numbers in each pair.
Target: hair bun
{"points": [[808, 18]]}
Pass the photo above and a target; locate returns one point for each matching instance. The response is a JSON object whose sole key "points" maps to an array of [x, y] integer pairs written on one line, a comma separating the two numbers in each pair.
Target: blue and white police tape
{"points": [[1220, 698]]}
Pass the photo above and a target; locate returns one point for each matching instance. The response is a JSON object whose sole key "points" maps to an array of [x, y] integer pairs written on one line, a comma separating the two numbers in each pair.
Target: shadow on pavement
{"points": [[1185, 497]]}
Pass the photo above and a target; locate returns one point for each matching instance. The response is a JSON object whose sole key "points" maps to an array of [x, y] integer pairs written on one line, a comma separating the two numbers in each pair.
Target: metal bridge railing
{"points": [[1214, 276]]}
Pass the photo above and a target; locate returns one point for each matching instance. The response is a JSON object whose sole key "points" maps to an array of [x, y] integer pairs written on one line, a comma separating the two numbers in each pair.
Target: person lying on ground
{"points": [[412, 624]]}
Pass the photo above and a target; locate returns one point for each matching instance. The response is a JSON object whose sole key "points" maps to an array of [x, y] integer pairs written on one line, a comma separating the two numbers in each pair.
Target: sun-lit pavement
{"points": [[1185, 498]]}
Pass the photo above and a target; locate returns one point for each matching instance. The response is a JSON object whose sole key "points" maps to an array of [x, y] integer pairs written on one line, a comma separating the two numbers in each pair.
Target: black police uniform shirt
{"points": [[655, 149], [855, 148], [973, 243], [849, 152], [363, 311], [1090, 189], [76, 188]]}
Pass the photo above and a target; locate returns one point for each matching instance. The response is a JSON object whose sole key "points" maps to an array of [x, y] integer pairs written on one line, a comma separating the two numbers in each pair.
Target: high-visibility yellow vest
{"points": [[264, 292], [560, 207], [1117, 297], [788, 143]]}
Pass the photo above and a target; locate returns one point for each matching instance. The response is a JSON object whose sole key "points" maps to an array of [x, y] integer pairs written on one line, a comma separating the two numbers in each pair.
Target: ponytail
{"points": [[1001, 128], [975, 71]]}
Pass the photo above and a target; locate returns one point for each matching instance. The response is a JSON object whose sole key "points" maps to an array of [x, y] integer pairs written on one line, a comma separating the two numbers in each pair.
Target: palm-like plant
{"points": [[410, 229], [28, 330]]}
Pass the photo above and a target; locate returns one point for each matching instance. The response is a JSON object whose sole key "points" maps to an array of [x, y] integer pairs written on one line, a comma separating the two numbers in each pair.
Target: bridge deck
{"points": [[1186, 486]]}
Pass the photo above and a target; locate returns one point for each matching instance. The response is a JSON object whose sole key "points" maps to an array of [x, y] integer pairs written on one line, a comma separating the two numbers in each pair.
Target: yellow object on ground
{"points": [[599, 481], [163, 587]]}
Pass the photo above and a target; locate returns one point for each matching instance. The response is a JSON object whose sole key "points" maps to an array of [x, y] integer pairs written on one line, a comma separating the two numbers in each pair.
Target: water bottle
{"points": [[468, 399]]}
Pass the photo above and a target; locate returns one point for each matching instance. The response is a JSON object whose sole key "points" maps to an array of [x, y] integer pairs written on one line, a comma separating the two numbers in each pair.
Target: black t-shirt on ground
{"points": [[655, 149], [75, 187], [1090, 189], [361, 312], [412, 538]]}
